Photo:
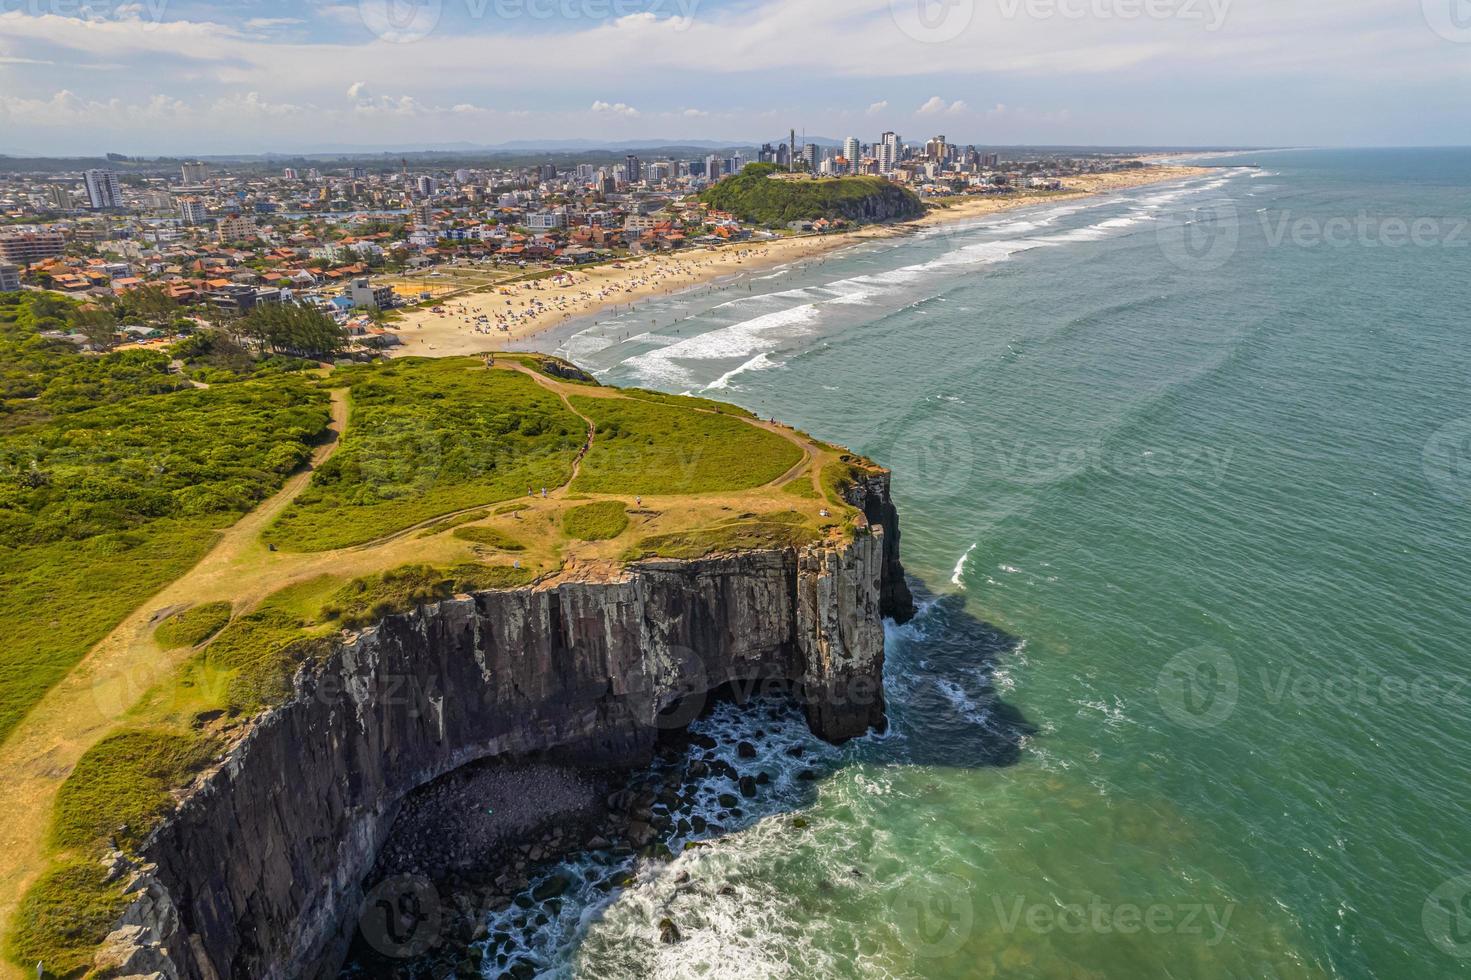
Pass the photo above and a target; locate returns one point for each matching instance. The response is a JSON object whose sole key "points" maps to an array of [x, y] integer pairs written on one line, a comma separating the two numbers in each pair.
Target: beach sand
{"points": [[505, 317]]}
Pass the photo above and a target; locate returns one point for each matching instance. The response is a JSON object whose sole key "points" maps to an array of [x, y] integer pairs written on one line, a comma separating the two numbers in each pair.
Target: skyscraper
{"points": [[852, 150], [634, 168], [195, 173], [888, 153], [103, 190]]}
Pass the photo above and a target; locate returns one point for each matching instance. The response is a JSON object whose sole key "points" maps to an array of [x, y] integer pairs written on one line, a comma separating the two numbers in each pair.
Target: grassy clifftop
{"points": [[451, 476], [755, 195]]}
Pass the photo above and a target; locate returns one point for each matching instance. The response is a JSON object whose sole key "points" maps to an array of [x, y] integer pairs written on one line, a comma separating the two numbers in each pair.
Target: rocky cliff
{"points": [[259, 872]]}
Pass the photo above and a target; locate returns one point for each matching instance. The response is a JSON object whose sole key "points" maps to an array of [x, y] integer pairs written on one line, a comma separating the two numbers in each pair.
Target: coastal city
{"points": [[366, 241]]}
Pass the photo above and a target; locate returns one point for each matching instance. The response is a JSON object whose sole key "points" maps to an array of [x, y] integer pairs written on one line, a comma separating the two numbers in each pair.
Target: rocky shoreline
{"points": [[478, 847]]}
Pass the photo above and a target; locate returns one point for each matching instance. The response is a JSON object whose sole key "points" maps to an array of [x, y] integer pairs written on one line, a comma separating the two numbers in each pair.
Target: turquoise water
{"points": [[1187, 486]]}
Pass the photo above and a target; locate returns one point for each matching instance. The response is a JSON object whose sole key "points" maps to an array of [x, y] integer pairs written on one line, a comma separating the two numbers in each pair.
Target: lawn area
{"points": [[100, 509], [735, 536], [428, 438], [646, 446], [192, 627], [596, 522]]}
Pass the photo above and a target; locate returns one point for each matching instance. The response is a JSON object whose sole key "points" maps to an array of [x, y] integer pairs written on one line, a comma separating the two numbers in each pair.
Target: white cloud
{"points": [[695, 114], [356, 89], [616, 108], [938, 106], [1326, 63]]}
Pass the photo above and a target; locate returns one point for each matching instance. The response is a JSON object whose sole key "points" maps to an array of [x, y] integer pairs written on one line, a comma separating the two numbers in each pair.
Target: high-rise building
{"points": [[25, 247], [103, 190], [9, 278], [887, 151], [852, 151], [810, 154], [633, 168], [195, 173], [714, 167], [236, 228], [427, 186], [289, 173], [60, 197], [192, 211]]}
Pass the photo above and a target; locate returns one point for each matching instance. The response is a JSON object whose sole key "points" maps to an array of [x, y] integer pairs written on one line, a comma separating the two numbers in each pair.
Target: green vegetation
{"points": [[291, 328], [800, 487], [119, 791], [596, 522], [192, 627], [65, 916], [735, 536], [213, 357], [120, 788], [649, 447], [427, 438], [489, 537], [752, 195], [450, 523], [251, 661], [366, 601], [837, 477], [100, 509]]}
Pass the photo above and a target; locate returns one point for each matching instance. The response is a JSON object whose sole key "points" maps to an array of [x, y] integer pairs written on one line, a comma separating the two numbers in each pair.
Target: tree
{"points": [[291, 328], [99, 326]]}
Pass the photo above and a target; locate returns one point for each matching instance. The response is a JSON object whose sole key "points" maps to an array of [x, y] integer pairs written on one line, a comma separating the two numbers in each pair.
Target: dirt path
{"points": [[83, 707], [89, 703]]}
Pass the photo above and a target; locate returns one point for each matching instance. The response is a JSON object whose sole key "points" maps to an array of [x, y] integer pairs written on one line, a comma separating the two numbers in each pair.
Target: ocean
{"points": [[1185, 482]]}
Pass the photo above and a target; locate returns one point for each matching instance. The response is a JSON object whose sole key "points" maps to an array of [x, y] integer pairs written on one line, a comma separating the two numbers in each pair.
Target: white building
{"points": [[192, 211], [103, 190], [546, 220], [852, 151], [195, 173]]}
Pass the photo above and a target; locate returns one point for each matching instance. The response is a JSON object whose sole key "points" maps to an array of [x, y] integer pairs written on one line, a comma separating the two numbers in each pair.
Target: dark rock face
{"points": [[261, 867]]}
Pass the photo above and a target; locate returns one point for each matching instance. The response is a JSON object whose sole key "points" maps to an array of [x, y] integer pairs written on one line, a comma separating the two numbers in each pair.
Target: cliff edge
{"points": [[259, 871]]}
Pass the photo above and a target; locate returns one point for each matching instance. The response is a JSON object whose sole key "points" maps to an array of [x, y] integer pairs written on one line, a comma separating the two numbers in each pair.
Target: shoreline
{"points": [[519, 317]]}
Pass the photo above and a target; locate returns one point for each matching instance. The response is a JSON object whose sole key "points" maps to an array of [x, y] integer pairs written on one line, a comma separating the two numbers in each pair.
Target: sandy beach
{"points": [[501, 316]]}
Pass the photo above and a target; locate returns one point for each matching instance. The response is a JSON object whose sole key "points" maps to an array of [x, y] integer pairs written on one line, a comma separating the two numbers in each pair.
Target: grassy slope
{"points": [[753, 196], [650, 447], [428, 438], [100, 509], [705, 461]]}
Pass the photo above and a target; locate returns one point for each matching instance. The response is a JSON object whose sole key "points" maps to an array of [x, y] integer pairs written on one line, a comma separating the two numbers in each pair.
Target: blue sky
{"points": [[181, 76]]}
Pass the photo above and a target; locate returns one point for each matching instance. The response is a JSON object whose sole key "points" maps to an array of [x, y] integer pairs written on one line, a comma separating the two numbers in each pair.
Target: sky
{"points": [[253, 76]]}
